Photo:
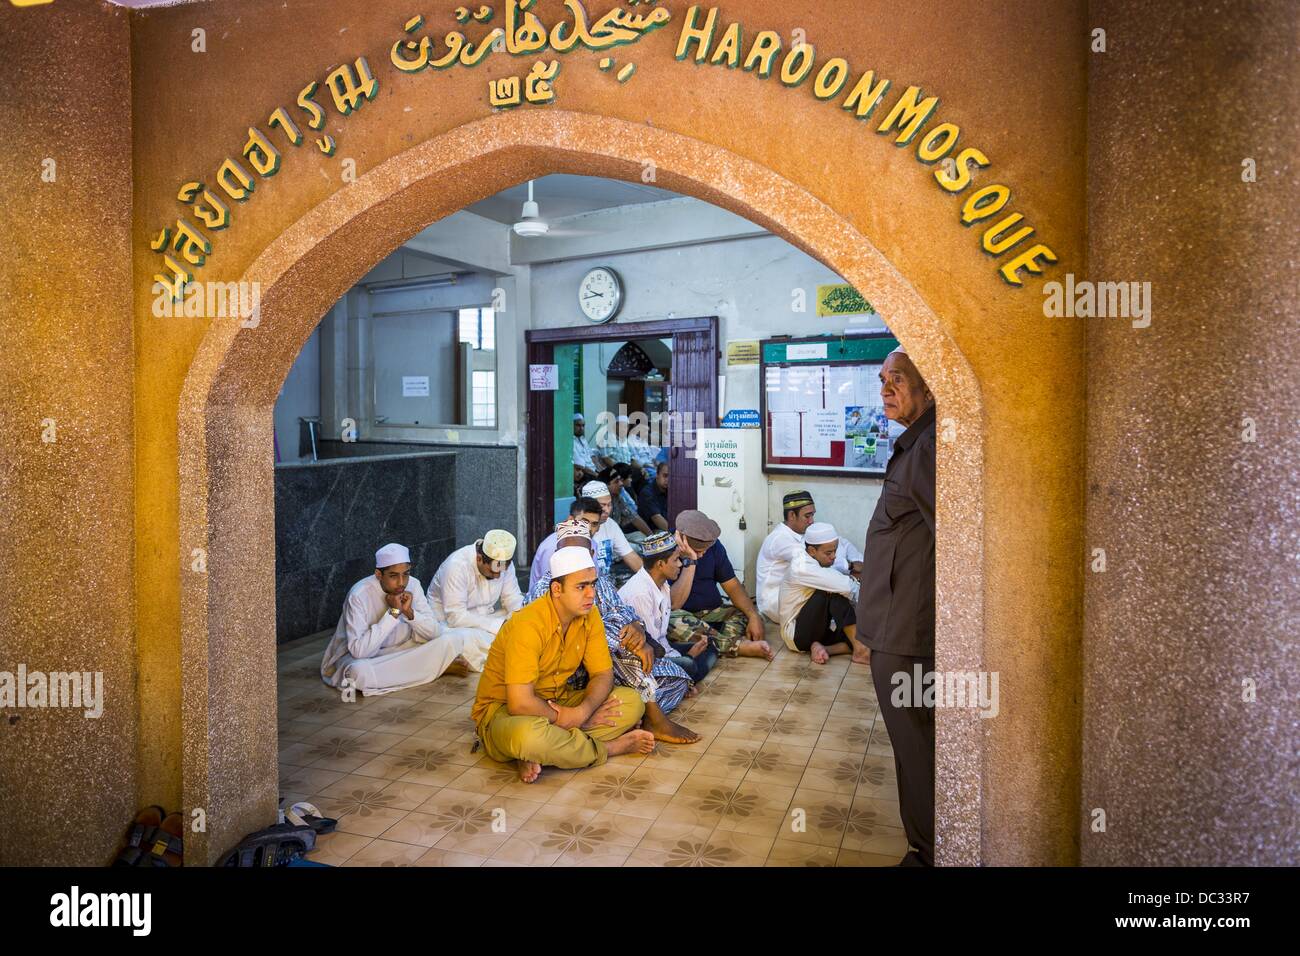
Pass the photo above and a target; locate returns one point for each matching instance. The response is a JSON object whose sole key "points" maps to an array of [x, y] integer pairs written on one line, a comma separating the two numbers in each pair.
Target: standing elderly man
{"points": [[895, 616], [388, 638], [475, 590]]}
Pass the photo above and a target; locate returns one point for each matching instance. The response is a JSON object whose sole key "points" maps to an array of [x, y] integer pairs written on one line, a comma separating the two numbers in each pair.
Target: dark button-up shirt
{"points": [[896, 604]]}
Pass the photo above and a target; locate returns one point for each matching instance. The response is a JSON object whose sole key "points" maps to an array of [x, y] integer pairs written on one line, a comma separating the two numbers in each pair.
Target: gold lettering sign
{"points": [[904, 117]]}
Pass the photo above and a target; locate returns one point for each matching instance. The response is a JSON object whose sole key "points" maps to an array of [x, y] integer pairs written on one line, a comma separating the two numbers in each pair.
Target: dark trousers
{"points": [[696, 667], [815, 619], [911, 731]]}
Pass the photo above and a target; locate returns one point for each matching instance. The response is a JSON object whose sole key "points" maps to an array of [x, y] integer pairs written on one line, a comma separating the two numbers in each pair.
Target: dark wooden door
{"points": [[692, 404], [539, 435]]}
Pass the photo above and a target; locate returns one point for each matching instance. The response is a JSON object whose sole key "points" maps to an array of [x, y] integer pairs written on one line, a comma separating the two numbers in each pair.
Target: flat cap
{"points": [[698, 525]]}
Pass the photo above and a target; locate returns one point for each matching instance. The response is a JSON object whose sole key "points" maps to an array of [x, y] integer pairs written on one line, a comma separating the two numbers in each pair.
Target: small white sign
{"points": [[415, 386], [810, 350], [543, 378]]}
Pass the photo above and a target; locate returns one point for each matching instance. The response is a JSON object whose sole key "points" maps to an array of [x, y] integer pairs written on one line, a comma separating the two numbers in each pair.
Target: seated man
{"points": [[622, 509], [652, 503], [523, 709], [475, 590], [585, 509], [648, 594], [817, 602], [659, 682], [387, 638], [618, 447], [608, 541], [738, 625], [585, 465], [784, 542]]}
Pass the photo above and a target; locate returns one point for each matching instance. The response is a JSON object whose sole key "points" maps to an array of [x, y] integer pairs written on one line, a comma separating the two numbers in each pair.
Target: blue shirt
{"points": [[713, 568], [652, 502]]}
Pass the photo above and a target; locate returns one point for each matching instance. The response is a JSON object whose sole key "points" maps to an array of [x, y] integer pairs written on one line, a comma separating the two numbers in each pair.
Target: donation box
{"points": [[733, 492]]}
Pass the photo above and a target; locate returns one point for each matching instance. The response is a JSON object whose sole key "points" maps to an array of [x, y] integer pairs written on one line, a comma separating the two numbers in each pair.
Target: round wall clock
{"points": [[600, 293]]}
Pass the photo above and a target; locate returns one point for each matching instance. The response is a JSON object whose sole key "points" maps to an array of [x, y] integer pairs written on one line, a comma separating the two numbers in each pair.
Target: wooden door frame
{"points": [[540, 424]]}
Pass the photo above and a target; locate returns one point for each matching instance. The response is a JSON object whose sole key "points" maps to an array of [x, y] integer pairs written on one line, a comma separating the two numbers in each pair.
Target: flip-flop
{"points": [[304, 814]]}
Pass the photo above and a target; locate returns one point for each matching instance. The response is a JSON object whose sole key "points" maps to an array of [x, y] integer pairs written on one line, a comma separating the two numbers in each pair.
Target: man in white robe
{"points": [[585, 464], [817, 603], [784, 542], [475, 590], [387, 638]]}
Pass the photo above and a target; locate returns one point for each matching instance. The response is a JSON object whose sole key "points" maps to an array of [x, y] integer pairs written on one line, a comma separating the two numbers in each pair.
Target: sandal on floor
{"points": [[140, 835], [166, 849], [276, 845], [304, 814]]}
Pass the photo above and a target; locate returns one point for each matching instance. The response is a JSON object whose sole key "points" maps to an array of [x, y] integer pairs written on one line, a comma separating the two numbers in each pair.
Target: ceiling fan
{"points": [[531, 225]]}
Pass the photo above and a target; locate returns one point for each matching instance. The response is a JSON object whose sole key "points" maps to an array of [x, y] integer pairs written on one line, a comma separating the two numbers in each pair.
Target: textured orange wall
{"points": [[1012, 77], [990, 66], [1201, 590], [67, 783]]}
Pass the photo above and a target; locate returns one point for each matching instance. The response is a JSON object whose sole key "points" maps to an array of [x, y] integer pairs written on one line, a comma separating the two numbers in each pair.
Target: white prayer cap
{"points": [[820, 533], [596, 489], [899, 351], [499, 545], [567, 560], [577, 417], [391, 554]]}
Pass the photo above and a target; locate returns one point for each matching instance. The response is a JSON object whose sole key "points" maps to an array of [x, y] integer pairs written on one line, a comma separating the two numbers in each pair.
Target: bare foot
{"points": [[457, 668], [529, 770], [755, 649], [861, 654], [668, 730], [634, 741], [693, 692], [818, 653]]}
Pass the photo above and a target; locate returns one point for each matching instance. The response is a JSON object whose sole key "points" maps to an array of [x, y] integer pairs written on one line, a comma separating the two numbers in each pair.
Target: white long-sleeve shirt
{"points": [[803, 577], [462, 597], [653, 602], [366, 629], [779, 548]]}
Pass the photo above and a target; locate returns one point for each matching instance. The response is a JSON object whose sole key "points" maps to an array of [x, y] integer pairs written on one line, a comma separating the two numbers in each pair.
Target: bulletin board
{"points": [[820, 405]]}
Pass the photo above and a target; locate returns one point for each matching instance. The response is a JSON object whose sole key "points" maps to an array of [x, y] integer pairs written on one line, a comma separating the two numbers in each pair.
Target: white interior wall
{"points": [[752, 283]]}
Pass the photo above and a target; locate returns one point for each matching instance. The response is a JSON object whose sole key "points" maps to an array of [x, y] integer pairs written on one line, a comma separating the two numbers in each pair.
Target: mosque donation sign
{"points": [[209, 207]]}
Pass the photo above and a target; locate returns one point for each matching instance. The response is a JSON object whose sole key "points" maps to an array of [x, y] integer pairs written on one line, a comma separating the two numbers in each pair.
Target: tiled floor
{"points": [[793, 769]]}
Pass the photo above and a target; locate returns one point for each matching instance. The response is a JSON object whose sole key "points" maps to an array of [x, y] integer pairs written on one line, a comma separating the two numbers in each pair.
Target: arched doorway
{"points": [[225, 420]]}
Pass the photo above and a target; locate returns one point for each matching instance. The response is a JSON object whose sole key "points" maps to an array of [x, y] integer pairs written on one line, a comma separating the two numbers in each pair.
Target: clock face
{"points": [[600, 294]]}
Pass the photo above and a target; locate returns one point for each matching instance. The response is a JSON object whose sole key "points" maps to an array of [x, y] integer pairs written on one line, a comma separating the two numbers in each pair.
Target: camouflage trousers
{"points": [[726, 625]]}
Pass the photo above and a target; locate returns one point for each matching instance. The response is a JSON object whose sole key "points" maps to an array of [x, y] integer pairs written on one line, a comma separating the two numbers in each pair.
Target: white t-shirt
{"points": [[610, 545]]}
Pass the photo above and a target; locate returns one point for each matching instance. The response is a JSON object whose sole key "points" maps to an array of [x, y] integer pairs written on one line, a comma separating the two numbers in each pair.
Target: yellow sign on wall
{"points": [[742, 352]]}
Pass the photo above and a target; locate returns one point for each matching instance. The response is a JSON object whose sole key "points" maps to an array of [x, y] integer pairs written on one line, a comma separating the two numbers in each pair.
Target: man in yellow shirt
{"points": [[524, 711]]}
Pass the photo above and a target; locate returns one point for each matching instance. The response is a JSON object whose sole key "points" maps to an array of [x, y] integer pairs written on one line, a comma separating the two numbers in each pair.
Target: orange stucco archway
{"points": [[225, 418]]}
